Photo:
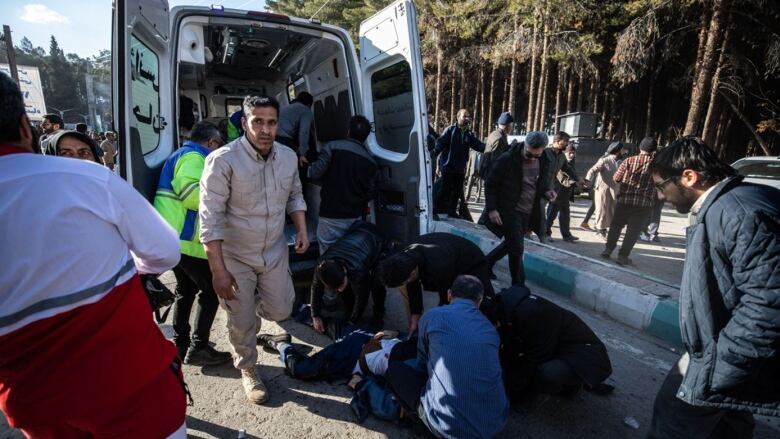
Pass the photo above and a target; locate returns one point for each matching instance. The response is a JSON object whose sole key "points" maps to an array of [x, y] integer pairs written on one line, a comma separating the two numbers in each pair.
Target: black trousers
{"points": [[448, 192], [591, 209], [193, 275], [561, 208], [676, 419], [515, 224], [554, 377], [407, 384], [654, 221], [631, 217]]}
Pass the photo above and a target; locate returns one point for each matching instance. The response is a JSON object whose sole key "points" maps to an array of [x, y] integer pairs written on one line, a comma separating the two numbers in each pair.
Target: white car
{"points": [[763, 170]]}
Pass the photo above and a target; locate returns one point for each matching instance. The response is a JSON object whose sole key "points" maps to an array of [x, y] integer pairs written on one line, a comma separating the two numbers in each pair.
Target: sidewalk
{"points": [[643, 297]]}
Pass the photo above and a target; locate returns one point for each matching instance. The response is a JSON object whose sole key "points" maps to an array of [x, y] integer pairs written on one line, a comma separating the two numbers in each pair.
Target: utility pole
{"points": [[9, 48]]}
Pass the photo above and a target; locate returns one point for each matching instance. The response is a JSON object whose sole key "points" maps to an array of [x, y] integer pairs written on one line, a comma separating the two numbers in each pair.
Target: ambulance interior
{"points": [[221, 60]]}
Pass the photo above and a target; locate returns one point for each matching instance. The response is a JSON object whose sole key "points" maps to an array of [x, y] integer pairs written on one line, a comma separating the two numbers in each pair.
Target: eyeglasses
{"points": [[660, 185]]}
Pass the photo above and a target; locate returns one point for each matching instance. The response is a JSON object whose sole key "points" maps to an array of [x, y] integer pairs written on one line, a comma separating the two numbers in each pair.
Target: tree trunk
{"points": [[506, 94], [708, 133], [482, 101], [462, 99], [580, 91], [529, 123], [437, 100], [594, 92], [453, 74], [706, 70], [570, 92], [605, 109], [559, 95], [513, 71], [705, 26], [542, 118], [649, 107], [747, 123], [542, 92], [477, 95], [491, 107]]}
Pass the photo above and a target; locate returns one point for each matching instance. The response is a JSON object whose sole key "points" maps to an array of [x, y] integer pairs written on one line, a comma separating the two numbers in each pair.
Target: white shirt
{"points": [[377, 361], [71, 230]]}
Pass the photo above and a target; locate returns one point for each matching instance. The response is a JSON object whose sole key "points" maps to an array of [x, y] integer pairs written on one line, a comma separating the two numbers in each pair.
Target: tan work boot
{"points": [[253, 386]]}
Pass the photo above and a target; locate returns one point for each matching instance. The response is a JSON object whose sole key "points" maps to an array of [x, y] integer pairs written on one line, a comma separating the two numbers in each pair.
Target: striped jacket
{"points": [[178, 195]]}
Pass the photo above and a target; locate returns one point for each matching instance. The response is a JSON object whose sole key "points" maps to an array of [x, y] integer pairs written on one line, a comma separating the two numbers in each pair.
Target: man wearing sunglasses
{"points": [[177, 200], [729, 298]]}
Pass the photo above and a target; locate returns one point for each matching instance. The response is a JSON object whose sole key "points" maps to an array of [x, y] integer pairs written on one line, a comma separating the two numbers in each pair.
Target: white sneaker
{"points": [[253, 386]]}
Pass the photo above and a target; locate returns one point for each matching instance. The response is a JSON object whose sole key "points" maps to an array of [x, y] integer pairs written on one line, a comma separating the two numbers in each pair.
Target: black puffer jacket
{"points": [[358, 251], [534, 330], [730, 300]]}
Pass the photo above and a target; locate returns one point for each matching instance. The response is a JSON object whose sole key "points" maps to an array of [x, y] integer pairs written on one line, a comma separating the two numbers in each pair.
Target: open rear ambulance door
{"points": [[143, 98], [393, 95]]}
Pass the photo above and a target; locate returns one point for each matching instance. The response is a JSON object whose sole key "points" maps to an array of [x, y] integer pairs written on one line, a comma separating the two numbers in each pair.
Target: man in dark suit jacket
{"points": [[432, 262]]}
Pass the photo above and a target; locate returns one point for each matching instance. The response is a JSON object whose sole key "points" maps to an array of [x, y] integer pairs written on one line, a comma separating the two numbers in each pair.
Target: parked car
{"points": [[763, 170]]}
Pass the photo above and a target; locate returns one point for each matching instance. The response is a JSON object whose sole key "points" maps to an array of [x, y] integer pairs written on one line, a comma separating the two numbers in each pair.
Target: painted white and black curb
{"points": [[629, 305]]}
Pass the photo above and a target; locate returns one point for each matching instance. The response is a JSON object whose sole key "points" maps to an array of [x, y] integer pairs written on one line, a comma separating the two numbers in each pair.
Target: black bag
{"points": [[159, 296]]}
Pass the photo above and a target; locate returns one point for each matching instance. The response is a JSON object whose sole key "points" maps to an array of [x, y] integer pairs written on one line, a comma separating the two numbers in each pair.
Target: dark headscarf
{"points": [[55, 139]]}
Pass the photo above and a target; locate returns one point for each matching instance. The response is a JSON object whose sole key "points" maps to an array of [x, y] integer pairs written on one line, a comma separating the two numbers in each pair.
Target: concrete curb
{"points": [[657, 316]]}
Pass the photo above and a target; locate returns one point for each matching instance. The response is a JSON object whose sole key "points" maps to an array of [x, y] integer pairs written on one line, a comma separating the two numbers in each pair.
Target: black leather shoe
{"points": [[270, 341], [571, 238], [206, 356]]}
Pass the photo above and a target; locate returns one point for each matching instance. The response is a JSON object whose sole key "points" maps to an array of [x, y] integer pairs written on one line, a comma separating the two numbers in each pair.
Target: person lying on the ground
{"points": [[545, 348], [355, 352], [454, 386], [432, 262], [345, 277]]}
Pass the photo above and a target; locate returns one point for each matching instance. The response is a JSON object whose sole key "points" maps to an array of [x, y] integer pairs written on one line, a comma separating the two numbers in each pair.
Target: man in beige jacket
{"points": [[246, 188]]}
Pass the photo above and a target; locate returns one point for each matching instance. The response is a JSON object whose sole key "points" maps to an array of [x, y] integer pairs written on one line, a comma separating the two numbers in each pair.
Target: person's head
{"points": [[571, 152], [260, 121], [359, 128], [51, 123], [95, 136], [333, 275], [615, 148], [75, 145], [534, 144], [305, 98], [398, 270], [15, 128], [685, 169], [81, 127], [467, 287], [206, 134], [464, 118], [110, 136], [561, 141], [506, 122], [648, 145]]}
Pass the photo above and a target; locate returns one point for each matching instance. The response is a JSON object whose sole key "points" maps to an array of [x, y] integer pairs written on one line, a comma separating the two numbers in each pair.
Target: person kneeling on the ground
{"points": [[355, 352], [344, 278], [545, 348], [454, 387], [433, 261]]}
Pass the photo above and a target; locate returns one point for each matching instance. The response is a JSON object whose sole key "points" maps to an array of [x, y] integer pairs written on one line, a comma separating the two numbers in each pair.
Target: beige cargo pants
{"points": [[263, 293]]}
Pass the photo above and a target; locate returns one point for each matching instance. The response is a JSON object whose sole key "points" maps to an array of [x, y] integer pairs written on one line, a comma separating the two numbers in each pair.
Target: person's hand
{"points": [[550, 195], [302, 161], [438, 172], [318, 325], [225, 285], [495, 217], [585, 183], [301, 242], [379, 335]]}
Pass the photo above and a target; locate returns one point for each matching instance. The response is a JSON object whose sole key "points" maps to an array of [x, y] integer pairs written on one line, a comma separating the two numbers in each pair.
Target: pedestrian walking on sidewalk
{"points": [[246, 189], [553, 161], [729, 298], [635, 199], [565, 185], [513, 192], [602, 174]]}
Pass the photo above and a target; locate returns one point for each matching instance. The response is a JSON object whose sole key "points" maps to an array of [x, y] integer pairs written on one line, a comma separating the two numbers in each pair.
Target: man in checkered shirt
{"points": [[634, 201]]}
